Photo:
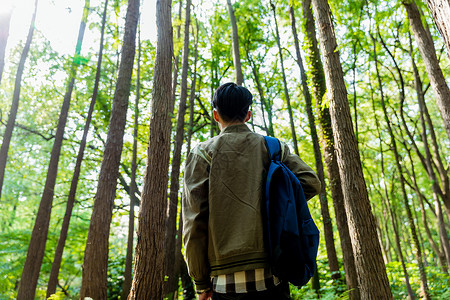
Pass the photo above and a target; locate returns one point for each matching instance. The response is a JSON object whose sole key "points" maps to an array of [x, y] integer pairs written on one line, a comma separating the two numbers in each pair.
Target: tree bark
{"points": [[327, 223], [53, 280], [15, 101], [171, 222], [36, 248], [283, 73], [372, 278], [5, 19], [440, 10], [128, 277], [319, 88], [424, 40], [235, 35], [148, 275], [95, 265]]}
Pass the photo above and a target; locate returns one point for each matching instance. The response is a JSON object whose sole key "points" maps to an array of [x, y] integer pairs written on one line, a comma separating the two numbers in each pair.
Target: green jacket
{"points": [[223, 193]]}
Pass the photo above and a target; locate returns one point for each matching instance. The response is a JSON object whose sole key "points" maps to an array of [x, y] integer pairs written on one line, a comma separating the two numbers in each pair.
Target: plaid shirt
{"points": [[245, 281]]}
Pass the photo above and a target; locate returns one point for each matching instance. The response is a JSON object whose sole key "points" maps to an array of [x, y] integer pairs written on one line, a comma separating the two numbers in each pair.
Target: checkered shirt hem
{"points": [[245, 281]]}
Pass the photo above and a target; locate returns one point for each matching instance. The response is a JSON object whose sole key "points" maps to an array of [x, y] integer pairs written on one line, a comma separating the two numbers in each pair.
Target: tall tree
{"points": [[372, 277], [440, 10], [283, 73], [412, 227], [5, 19], [327, 223], [53, 280], [128, 276], [171, 222], [36, 248], [427, 50], [236, 55], [394, 146], [319, 88], [95, 265], [148, 272], [16, 96]]}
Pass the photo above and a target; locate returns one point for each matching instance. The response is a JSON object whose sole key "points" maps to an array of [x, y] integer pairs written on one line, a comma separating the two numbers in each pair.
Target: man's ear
{"points": [[249, 115], [216, 115]]}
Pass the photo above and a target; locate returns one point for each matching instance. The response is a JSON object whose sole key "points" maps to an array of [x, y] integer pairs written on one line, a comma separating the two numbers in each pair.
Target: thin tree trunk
{"points": [[443, 172], [429, 165], [171, 222], [286, 91], [180, 266], [327, 223], [372, 277], [319, 88], [53, 280], [440, 254], [95, 265], [177, 59], [416, 244], [386, 195], [15, 101], [424, 40], [440, 10], [192, 95], [5, 19], [128, 277], [148, 273], [236, 55], [36, 248]]}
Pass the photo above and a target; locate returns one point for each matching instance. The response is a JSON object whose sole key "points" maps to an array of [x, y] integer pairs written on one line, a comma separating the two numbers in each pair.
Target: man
{"points": [[223, 195]]}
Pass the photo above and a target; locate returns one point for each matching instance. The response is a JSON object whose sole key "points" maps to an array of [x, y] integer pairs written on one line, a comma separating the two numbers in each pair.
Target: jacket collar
{"points": [[235, 128]]}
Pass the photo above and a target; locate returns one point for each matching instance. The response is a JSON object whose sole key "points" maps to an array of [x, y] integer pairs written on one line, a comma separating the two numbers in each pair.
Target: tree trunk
{"points": [[412, 227], [236, 55], [15, 101], [128, 277], [327, 223], [36, 248], [192, 95], [171, 222], [148, 275], [53, 280], [386, 195], [177, 59], [95, 265], [440, 10], [440, 254], [319, 88], [429, 165], [372, 278], [437, 161], [5, 19], [424, 40], [286, 92]]}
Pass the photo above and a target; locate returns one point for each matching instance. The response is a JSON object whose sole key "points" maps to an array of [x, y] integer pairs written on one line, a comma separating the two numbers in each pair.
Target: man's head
{"points": [[232, 102]]}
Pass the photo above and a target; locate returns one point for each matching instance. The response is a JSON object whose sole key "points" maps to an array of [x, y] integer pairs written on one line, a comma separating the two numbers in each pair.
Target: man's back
{"points": [[236, 160], [222, 201]]}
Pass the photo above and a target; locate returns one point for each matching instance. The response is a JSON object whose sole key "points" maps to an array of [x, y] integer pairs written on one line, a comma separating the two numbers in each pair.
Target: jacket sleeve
{"points": [[195, 219], [308, 178]]}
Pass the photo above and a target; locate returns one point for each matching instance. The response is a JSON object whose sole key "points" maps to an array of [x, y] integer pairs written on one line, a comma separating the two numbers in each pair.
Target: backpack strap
{"points": [[273, 147]]}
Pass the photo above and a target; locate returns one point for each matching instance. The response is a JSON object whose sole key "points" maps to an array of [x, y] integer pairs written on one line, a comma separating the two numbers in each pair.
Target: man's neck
{"points": [[223, 125]]}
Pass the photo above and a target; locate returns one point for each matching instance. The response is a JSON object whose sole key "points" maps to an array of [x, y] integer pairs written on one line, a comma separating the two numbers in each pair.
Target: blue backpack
{"points": [[291, 236]]}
